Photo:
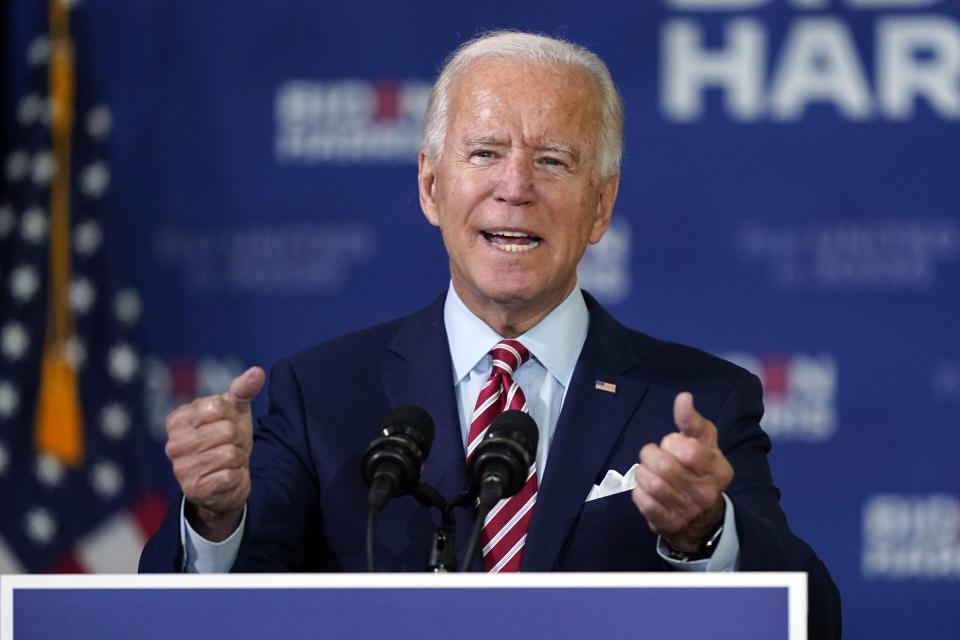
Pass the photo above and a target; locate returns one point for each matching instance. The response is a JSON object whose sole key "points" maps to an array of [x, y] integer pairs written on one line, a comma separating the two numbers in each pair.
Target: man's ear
{"points": [[427, 180], [608, 196]]}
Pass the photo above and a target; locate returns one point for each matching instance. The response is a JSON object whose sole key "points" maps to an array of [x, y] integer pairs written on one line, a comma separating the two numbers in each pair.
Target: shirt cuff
{"points": [[724, 558], [203, 556]]}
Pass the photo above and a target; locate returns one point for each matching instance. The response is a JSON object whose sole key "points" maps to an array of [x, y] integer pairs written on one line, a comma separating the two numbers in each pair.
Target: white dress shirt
{"points": [[555, 344]]}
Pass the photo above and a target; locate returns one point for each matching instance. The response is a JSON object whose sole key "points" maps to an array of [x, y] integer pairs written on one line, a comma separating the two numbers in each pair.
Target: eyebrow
{"points": [[555, 147], [559, 147], [482, 140]]}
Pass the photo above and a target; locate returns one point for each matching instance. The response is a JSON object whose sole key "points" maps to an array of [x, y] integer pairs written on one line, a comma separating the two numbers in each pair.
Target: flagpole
{"points": [[59, 417]]}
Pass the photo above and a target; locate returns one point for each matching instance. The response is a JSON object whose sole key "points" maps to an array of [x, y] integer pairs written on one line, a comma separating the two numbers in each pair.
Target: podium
{"points": [[559, 606]]}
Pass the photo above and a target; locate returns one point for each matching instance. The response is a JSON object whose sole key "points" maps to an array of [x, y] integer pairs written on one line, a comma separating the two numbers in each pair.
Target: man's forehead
{"points": [[493, 71], [485, 89]]}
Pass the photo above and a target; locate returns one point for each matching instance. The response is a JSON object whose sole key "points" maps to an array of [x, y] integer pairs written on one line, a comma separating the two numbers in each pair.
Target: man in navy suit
{"points": [[651, 455]]}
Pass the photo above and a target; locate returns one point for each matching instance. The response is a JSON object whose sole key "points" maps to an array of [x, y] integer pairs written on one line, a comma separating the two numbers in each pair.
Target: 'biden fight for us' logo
{"points": [[911, 537], [349, 121], [799, 393]]}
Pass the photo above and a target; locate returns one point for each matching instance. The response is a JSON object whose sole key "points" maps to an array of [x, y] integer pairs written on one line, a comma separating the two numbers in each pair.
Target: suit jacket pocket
{"points": [[611, 509], [610, 535]]}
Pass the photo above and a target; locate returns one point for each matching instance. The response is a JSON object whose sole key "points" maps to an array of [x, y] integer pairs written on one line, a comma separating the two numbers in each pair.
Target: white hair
{"points": [[536, 49]]}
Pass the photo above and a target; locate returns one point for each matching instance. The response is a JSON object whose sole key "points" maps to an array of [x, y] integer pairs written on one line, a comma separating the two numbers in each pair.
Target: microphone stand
{"points": [[491, 490], [443, 552], [443, 557]]}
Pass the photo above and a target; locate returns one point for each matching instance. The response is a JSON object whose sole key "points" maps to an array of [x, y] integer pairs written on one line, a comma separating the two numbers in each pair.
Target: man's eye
{"points": [[483, 153], [554, 162]]}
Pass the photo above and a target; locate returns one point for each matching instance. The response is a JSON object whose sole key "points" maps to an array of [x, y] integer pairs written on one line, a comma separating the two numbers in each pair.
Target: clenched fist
{"points": [[209, 443]]}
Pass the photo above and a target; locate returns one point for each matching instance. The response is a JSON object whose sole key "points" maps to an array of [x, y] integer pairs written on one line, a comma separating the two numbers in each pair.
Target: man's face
{"points": [[516, 192]]}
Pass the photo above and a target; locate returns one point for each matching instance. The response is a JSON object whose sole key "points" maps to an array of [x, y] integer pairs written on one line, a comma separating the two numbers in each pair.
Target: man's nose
{"points": [[515, 184]]}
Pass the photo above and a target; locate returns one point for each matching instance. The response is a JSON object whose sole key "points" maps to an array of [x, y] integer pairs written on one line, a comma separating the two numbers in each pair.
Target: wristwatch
{"points": [[704, 551]]}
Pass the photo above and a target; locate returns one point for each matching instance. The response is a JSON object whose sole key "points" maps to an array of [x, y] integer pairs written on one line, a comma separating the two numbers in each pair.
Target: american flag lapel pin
{"points": [[603, 385]]}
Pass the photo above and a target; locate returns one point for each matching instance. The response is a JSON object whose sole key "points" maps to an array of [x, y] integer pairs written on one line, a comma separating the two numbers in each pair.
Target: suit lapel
{"points": [[417, 370], [590, 424]]}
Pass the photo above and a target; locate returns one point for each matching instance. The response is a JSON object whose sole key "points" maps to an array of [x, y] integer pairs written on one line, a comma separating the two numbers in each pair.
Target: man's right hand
{"points": [[209, 443]]}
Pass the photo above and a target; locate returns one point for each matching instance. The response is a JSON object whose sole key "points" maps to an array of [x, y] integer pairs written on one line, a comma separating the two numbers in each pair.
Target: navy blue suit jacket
{"points": [[307, 508]]}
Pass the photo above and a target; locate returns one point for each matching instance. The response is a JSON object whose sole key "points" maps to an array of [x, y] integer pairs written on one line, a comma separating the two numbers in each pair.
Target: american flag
{"points": [[77, 465]]}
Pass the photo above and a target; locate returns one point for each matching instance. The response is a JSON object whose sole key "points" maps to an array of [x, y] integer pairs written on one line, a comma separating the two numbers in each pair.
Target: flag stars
{"points": [[24, 283], [99, 122], [123, 363], [74, 352], [17, 165], [94, 179], [114, 421], [106, 479], [82, 295], [127, 306], [87, 237], [34, 225], [30, 109], [9, 400], [14, 340], [40, 525], [49, 470], [38, 52], [42, 168], [4, 458]]}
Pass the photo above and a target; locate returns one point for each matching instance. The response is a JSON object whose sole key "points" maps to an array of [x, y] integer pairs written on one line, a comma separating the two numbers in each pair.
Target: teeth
{"points": [[517, 248], [509, 234]]}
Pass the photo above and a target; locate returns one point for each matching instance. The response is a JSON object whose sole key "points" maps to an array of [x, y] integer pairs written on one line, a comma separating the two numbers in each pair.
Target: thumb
{"points": [[245, 388], [690, 422]]}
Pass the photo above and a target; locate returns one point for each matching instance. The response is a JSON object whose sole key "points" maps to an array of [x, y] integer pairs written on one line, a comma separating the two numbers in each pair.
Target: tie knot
{"points": [[508, 355]]}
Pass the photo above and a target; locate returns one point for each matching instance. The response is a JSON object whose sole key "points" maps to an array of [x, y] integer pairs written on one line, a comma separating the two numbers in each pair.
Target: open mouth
{"points": [[512, 241]]}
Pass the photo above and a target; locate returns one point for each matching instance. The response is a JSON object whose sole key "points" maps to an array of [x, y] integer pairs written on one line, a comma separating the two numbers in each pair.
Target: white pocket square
{"points": [[613, 483]]}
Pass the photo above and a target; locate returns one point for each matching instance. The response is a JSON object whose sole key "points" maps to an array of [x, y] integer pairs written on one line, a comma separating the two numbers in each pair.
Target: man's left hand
{"points": [[680, 481]]}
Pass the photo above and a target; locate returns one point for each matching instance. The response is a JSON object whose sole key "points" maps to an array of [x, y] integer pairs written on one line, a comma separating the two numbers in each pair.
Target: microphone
{"points": [[500, 463], [394, 459], [393, 462], [499, 466]]}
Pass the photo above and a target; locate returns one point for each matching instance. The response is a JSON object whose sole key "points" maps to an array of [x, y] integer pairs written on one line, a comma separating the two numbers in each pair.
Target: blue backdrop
{"points": [[789, 200]]}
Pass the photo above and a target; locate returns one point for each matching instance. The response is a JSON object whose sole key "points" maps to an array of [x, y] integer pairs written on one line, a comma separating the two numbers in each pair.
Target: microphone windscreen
{"points": [[519, 426], [413, 422]]}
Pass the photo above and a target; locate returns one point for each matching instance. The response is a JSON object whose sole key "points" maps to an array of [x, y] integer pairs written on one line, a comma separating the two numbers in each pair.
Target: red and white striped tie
{"points": [[505, 529]]}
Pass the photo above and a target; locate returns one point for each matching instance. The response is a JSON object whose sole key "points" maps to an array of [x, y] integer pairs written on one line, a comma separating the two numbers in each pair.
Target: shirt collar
{"points": [[555, 341]]}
